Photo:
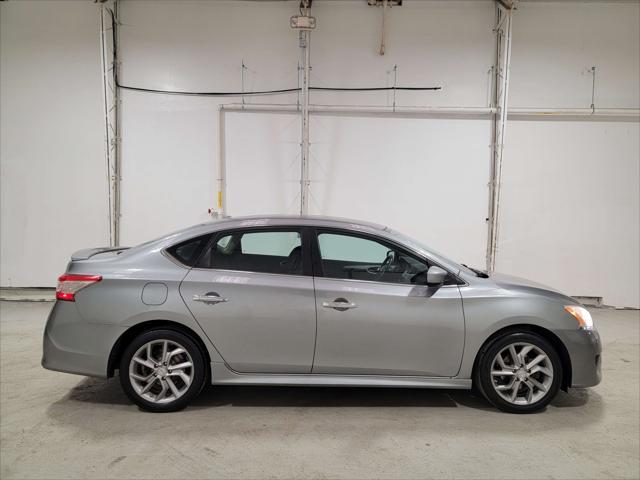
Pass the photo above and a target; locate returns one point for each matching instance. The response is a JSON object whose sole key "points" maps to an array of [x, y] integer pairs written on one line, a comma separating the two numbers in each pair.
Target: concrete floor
{"points": [[55, 425]]}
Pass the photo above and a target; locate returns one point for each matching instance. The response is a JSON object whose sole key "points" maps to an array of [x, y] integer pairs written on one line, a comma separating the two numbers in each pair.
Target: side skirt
{"points": [[222, 375]]}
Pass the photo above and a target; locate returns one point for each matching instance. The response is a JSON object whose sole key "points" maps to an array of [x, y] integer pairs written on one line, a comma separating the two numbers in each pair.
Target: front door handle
{"points": [[210, 298], [340, 304]]}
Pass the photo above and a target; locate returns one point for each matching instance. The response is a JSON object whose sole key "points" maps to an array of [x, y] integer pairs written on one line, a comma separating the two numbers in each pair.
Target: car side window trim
{"points": [[311, 259], [316, 260]]}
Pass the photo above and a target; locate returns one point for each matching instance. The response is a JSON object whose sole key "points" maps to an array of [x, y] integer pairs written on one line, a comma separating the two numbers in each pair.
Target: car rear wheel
{"points": [[162, 370], [519, 373]]}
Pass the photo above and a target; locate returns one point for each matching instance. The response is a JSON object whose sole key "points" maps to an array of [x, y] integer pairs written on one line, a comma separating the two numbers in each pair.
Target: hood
{"points": [[510, 282], [505, 280]]}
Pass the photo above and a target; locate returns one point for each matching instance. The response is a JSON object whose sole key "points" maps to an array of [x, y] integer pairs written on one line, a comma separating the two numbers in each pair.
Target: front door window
{"points": [[360, 258]]}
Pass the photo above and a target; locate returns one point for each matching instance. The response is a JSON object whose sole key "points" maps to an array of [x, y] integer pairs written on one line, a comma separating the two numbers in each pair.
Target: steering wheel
{"points": [[384, 266], [393, 263]]}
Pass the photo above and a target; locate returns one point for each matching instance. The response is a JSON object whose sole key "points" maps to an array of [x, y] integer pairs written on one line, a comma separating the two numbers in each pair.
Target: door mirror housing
{"points": [[436, 276]]}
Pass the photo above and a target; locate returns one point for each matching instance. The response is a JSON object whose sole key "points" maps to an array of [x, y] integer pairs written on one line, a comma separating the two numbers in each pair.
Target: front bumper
{"points": [[585, 352], [72, 345]]}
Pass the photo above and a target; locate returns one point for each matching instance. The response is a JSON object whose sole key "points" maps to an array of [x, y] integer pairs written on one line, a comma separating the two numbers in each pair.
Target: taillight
{"points": [[69, 285]]}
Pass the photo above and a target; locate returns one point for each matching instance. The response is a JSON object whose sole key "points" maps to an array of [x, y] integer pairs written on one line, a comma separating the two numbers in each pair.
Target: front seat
{"points": [[293, 263]]}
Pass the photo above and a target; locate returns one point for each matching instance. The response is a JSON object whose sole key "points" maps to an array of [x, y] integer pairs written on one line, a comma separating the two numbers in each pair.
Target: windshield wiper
{"points": [[479, 273]]}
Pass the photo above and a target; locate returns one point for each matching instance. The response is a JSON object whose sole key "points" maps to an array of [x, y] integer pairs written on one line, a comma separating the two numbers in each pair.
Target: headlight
{"points": [[582, 315]]}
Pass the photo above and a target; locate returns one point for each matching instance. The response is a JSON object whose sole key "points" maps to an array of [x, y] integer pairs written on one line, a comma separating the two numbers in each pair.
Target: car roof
{"points": [[258, 221], [298, 220], [228, 223]]}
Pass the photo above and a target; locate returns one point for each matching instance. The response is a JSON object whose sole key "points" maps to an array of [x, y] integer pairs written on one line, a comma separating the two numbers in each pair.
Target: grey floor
{"points": [[55, 425]]}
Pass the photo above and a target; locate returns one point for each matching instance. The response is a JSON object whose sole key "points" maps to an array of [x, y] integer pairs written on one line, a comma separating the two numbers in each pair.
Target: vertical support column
{"points": [[385, 4], [221, 178], [305, 36], [504, 21], [118, 115], [111, 96]]}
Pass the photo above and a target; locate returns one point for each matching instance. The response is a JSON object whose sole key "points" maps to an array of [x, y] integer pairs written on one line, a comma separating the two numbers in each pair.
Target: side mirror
{"points": [[436, 276]]}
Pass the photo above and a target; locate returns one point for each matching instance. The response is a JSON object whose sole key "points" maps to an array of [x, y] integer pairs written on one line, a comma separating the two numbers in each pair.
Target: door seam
{"points": [[315, 343]]}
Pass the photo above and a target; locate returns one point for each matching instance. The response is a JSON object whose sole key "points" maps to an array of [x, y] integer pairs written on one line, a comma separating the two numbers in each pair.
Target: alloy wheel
{"points": [[161, 371], [521, 373]]}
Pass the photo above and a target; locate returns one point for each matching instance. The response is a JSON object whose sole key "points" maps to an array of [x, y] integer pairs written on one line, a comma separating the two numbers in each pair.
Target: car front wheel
{"points": [[162, 370], [520, 373]]}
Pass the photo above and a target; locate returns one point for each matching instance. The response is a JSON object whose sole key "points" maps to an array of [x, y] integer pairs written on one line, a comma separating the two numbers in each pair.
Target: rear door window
{"points": [[263, 251]]}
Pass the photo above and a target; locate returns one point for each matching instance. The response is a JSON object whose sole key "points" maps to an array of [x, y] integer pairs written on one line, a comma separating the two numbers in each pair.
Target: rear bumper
{"points": [[585, 349], [72, 345]]}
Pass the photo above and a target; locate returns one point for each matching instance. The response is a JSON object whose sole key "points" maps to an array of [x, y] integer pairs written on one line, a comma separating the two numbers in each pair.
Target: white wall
{"points": [[570, 200], [375, 168], [555, 44], [570, 204], [53, 170], [409, 173], [359, 166], [263, 162], [168, 164], [414, 175]]}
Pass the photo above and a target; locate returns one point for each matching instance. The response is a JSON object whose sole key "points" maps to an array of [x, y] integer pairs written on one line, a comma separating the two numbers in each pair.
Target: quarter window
{"points": [[256, 251], [360, 258], [187, 252]]}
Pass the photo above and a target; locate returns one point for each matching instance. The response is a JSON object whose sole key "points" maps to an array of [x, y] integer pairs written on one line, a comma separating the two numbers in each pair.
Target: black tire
{"points": [[483, 380], [199, 370]]}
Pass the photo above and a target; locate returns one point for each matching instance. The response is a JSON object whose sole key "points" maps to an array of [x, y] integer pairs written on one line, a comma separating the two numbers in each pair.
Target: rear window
{"points": [[188, 252]]}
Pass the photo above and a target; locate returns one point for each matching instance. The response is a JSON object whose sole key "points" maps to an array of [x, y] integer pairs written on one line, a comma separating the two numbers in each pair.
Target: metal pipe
{"points": [[576, 112], [384, 25], [285, 107], [111, 115], [106, 112], [495, 89], [242, 69], [409, 109], [117, 174], [593, 89], [221, 198], [305, 37], [503, 39]]}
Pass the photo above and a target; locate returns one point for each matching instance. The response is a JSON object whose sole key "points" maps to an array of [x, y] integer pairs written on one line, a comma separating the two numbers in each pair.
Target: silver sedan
{"points": [[311, 301]]}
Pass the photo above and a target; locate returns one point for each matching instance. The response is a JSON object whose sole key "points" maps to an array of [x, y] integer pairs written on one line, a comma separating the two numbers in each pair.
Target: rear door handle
{"points": [[210, 298], [340, 304]]}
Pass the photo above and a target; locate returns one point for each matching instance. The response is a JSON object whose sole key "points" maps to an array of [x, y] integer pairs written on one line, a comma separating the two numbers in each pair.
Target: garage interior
{"points": [[504, 134]]}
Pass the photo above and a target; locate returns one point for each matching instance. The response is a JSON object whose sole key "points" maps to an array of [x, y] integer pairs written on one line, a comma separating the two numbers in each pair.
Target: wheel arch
{"points": [[121, 343], [548, 335]]}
